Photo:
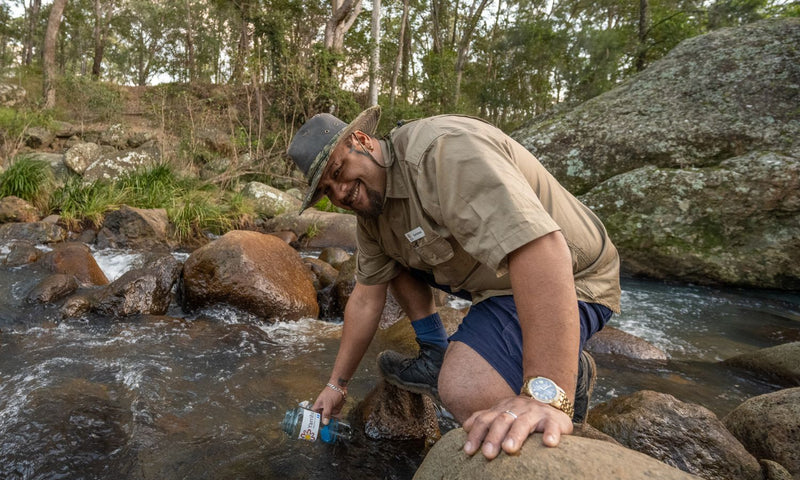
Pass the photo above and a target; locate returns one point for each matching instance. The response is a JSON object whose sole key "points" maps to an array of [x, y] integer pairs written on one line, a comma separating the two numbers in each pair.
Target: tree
{"points": [[103, 11], [344, 13], [49, 52], [374, 65], [30, 34]]}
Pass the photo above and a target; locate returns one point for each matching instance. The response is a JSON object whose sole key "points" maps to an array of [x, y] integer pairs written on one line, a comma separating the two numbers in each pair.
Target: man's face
{"points": [[351, 179]]}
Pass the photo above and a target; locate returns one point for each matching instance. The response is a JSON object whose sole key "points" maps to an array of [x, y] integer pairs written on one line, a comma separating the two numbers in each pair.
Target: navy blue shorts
{"points": [[492, 329]]}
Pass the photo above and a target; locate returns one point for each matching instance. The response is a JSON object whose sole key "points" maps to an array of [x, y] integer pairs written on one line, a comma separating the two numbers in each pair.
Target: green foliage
{"points": [[154, 187], [79, 203], [90, 100], [14, 121], [28, 179], [197, 211], [326, 206]]}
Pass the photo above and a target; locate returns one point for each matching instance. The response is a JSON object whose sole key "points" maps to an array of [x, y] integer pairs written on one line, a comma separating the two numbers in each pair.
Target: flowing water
{"points": [[202, 396]]}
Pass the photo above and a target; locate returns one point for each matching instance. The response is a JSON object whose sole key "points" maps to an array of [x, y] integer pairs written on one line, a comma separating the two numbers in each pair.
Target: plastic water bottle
{"points": [[305, 424]]}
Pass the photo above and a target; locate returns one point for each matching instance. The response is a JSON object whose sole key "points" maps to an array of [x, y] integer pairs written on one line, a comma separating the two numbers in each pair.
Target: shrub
{"points": [[28, 179], [85, 203]]}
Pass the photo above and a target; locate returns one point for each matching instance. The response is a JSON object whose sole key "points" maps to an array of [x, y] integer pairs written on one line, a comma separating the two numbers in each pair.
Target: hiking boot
{"points": [[587, 375], [418, 375]]}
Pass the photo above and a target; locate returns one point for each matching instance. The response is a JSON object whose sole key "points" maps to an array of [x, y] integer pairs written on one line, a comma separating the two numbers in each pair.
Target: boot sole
{"points": [[420, 388]]}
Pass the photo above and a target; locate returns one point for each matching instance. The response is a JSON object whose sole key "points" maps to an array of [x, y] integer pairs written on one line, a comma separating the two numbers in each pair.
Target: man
{"points": [[453, 202]]}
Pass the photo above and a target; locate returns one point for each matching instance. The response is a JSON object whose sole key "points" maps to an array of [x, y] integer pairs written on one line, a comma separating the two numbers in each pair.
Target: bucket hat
{"points": [[312, 145]]}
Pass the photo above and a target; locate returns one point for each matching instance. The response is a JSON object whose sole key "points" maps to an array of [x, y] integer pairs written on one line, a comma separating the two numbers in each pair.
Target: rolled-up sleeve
{"points": [[373, 265]]}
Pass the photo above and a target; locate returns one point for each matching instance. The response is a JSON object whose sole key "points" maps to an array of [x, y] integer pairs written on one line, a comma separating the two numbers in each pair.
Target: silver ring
{"points": [[514, 415]]}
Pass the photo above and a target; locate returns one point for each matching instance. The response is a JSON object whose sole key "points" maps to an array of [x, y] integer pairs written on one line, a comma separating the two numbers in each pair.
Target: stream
{"points": [[202, 396]]}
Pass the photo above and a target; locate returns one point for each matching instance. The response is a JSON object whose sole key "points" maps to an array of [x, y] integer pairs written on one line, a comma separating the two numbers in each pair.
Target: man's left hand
{"points": [[509, 423]]}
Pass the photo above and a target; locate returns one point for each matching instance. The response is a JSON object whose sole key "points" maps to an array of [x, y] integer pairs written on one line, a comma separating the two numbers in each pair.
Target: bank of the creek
{"points": [[202, 396]]}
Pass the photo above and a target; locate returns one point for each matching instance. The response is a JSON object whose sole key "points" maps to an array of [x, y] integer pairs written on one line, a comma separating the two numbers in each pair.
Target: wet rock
{"points": [[76, 305], [146, 290], [317, 229], [255, 272], [11, 95], [75, 259], [21, 252], [334, 256], [270, 202], [769, 427], [15, 209], [38, 137], [684, 435], [400, 335], [79, 157], [136, 228], [33, 232], [575, 457], [324, 274], [52, 288], [780, 363], [109, 167], [615, 341], [338, 295], [390, 413]]}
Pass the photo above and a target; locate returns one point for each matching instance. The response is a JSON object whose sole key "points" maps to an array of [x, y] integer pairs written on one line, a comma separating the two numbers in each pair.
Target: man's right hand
{"points": [[329, 404]]}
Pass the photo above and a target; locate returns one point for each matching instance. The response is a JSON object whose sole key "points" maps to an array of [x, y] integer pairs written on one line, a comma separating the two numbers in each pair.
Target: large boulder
{"points": [[684, 435], [80, 156], [34, 232], [316, 229], [255, 272], [15, 209], [75, 259], [270, 201], [667, 157], [129, 227], [769, 427], [38, 137], [111, 166], [575, 457], [145, 290], [780, 363]]}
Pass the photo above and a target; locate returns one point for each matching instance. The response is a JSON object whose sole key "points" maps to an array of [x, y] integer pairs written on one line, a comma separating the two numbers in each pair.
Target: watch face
{"points": [[543, 389]]}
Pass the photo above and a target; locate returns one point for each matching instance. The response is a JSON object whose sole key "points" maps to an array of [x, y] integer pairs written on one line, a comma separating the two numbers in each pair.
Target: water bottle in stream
{"points": [[305, 424]]}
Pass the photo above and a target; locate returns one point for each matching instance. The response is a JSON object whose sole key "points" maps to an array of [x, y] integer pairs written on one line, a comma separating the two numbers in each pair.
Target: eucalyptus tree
{"points": [[49, 53]]}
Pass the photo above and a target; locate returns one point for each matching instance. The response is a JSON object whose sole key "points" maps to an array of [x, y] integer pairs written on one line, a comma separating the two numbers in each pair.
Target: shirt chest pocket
{"points": [[433, 249]]}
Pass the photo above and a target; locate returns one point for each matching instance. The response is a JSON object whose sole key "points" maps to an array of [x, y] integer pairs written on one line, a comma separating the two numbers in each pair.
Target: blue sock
{"points": [[431, 330]]}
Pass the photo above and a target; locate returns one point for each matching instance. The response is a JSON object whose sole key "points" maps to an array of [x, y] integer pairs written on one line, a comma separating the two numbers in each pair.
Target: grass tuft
{"points": [[28, 179]]}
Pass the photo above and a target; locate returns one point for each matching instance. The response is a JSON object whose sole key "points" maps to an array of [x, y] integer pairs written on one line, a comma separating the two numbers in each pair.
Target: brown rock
{"points": [[53, 287], [146, 290], [769, 427], [137, 228], [287, 236], [774, 470], [780, 363], [21, 252], [614, 340], [317, 229], [334, 256], [255, 272], [76, 306], [76, 259], [34, 232], [324, 274], [574, 458], [684, 435], [389, 412], [15, 209]]}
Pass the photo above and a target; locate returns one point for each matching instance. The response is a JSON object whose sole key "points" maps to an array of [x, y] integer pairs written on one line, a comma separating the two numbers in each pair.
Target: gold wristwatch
{"points": [[546, 391]]}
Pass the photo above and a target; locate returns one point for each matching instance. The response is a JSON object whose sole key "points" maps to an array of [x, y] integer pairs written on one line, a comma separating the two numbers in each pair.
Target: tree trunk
{"points": [[30, 34], [190, 63], [344, 13], [49, 54], [641, 54], [243, 50], [466, 40], [398, 61], [376, 52], [103, 10]]}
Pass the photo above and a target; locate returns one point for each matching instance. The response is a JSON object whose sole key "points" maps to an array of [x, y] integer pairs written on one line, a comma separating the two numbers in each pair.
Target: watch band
{"points": [[561, 401]]}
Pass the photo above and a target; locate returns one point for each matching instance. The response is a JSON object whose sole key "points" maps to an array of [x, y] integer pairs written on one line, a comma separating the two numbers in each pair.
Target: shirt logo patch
{"points": [[415, 234]]}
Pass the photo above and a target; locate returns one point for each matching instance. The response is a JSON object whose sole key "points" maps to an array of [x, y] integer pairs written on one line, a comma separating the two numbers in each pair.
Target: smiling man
{"points": [[454, 203]]}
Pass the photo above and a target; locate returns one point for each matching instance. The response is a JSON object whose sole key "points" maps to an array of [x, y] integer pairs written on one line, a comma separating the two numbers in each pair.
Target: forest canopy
{"points": [[504, 60]]}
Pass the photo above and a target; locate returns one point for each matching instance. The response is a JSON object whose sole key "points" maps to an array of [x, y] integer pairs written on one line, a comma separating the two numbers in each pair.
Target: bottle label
{"points": [[309, 426]]}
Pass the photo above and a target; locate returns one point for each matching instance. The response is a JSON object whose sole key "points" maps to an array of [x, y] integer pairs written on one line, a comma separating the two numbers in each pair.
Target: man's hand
{"points": [[492, 429], [329, 404]]}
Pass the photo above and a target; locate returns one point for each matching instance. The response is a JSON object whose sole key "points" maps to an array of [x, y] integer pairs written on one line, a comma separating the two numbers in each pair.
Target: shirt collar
{"points": [[395, 186]]}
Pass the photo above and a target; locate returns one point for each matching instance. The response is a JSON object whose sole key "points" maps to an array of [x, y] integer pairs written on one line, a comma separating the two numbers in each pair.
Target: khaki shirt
{"points": [[460, 196]]}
